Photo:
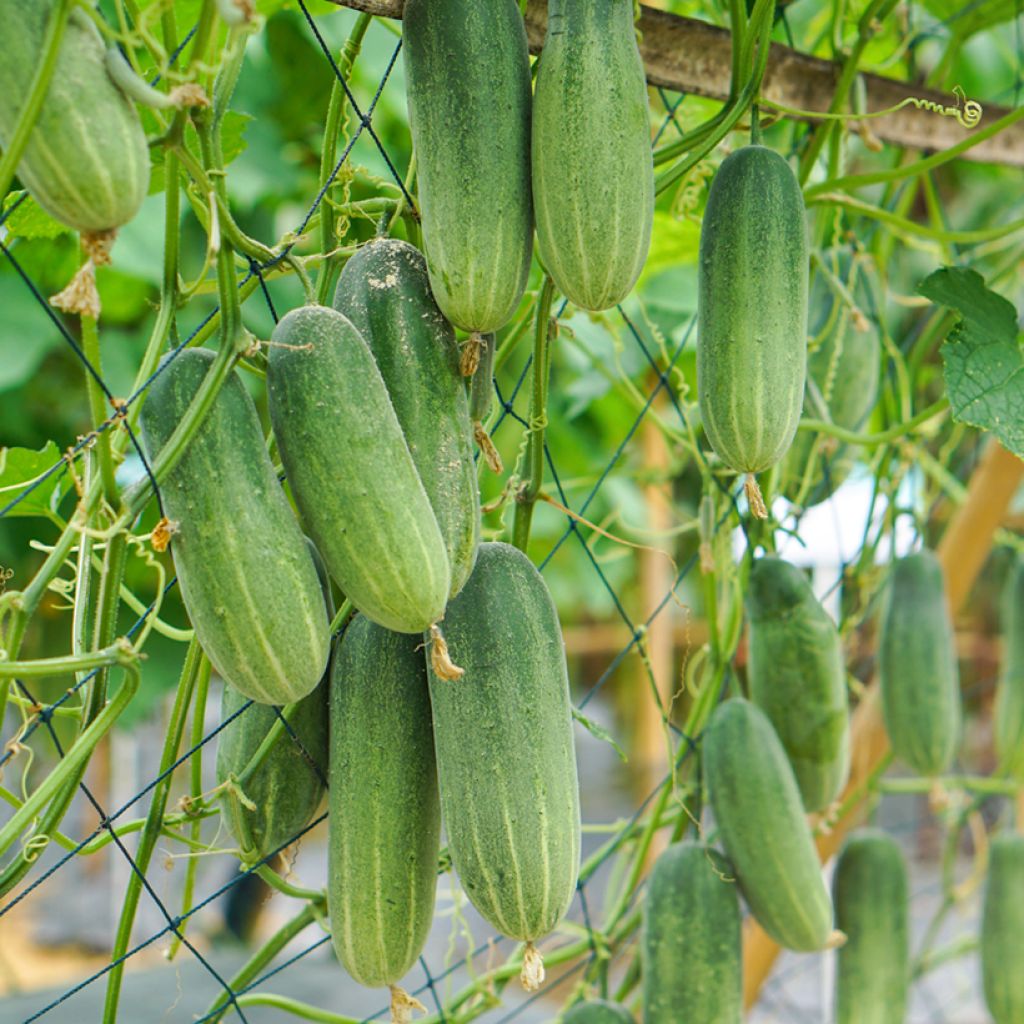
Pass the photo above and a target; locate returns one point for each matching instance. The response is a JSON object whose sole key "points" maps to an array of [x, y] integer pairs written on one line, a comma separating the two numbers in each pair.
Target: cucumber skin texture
{"points": [[797, 678], [384, 290], [86, 161], [597, 1011], [845, 368], [351, 473], [918, 667], [384, 821], [690, 940], [762, 826], [467, 70], [752, 310], [1002, 924], [594, 203], [247, 578], [505, 755], [287, 789], [870, 893], [1008, 714]]}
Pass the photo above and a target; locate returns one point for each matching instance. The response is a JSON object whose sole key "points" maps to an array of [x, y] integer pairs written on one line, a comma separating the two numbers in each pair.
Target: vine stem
{"points": [[18, 140], [527, 497], [153, 826], [882, 437]]}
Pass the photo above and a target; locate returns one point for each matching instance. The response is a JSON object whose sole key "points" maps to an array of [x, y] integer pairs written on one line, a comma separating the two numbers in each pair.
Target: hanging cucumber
{"points": [[1008, 715], [1002, 924], [917, 667], [593, 172], [797, 677], [385, 292], [246, 575], [752, 313], [467, 71]]}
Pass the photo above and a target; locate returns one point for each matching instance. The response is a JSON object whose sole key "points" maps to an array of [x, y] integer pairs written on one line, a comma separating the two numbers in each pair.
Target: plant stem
{"points": [[894, 433], [527, 497]]}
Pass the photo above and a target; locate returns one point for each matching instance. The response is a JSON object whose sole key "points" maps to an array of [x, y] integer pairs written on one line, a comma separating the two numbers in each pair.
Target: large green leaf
{"points": [[28, 219], [984, 366], [20, 467]]}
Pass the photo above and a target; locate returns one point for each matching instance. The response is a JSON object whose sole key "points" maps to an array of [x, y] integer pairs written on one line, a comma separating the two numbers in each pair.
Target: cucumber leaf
{"points": [[19, 468], [982, 357]]}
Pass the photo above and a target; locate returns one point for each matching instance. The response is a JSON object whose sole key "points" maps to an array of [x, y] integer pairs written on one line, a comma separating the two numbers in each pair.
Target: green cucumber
{"points": [[1008, 716], [505, 755], [690, 941], [761, 823], [286, 789], [842, 388], [1002, 924], [870, 893], [598, 1011], [467, 70], [752, 310], [797, 678], [917, 667], [246, 575], [384, 817], [86, 161], [593, 172], [385, 292], [351, 472]]}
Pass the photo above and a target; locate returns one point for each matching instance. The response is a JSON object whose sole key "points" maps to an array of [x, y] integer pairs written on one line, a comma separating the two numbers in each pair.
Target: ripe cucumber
{"points": [[86, 161], [385, 292], [246, 575], [351, 472], [1002, 924], [385, 818], [1008, 715], [797, 678], [752, 310], [286, 790], [917, 667], [467, 70], [593, 172], [597, 1011], [505, 755], [762, 826], [870, 892], [690, 945]]}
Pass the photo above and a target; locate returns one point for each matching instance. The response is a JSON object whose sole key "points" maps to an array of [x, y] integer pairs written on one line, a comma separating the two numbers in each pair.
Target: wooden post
{"points": [[962, 552]]}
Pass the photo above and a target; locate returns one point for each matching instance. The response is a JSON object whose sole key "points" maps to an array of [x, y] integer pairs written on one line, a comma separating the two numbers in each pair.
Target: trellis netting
{"points": [[641, 536]]}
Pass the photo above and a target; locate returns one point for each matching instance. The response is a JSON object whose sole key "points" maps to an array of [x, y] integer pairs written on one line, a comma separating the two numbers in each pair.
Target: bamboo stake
{"points": [[962, 552]]}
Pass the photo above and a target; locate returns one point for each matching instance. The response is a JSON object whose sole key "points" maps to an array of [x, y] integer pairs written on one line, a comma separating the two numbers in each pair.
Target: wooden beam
{"points": [[962, 552], [691, 56]]}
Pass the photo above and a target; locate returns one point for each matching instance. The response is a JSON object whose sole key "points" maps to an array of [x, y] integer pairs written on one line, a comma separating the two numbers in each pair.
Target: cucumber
{"points": [[597, 1011], [762, 826], [917, 667], [1002, 924], [752, 311], [86, 161], [384, 815], [797, 678], [351, 472], [870, 893], [1008, 716], [593, 171], [842, 388], [385, 292], [246, 575], [287, 788], [467, 70], [690, 941], [505, 755]]}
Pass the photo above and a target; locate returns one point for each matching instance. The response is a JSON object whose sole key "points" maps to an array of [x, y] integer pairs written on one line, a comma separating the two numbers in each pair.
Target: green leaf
{"points": [[19, 467], [983, 363], [598, 732], [30, 220]]}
